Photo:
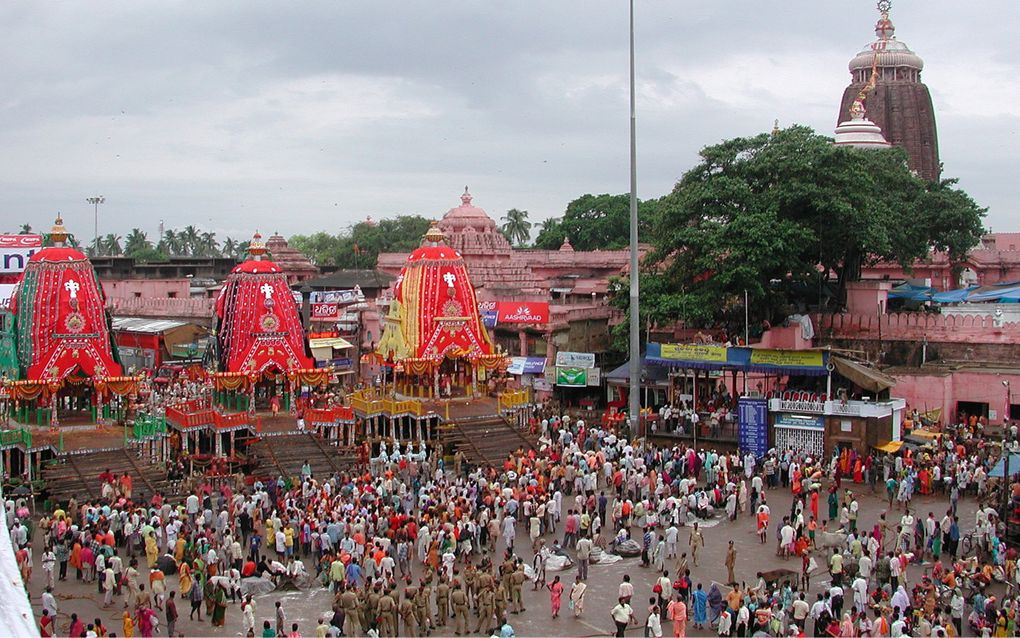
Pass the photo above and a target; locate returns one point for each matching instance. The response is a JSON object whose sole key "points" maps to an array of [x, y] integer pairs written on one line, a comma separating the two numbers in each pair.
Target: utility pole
{"points": [[96, 201], [635, 325]]}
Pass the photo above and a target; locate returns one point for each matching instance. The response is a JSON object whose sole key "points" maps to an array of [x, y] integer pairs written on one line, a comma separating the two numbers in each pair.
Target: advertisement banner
{"points": [[692, 352], [572, 377], [575, 359], [529, 312], [800, 422], [341, 297], [595, 377], [753, 426], [526, 365], [15, 251], [784, 358], [325, 311]]}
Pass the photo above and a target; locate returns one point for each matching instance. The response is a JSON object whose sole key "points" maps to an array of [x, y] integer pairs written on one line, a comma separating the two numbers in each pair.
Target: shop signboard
{"points": [[526, 365], [800, 421], [595, 377], [575, 359], [325, 311], [753, 426], [693, 352], [341, 297], [787, 358], [571, 377]]}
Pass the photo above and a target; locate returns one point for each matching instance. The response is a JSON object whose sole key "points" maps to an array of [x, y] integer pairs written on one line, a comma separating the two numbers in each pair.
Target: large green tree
{"points": [[594, 222], [778, 215], [360, 245]]}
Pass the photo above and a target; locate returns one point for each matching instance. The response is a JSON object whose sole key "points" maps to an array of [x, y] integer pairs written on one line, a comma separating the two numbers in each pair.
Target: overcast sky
{"points": [[309, 116]]}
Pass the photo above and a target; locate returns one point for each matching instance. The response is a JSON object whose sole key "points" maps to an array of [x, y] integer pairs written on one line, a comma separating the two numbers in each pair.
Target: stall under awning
{"points": [[337, 343], [890, 448], [863, 376]]}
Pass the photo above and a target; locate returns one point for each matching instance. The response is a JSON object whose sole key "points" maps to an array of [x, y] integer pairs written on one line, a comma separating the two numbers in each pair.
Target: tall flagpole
{"points": [[635, 326]]}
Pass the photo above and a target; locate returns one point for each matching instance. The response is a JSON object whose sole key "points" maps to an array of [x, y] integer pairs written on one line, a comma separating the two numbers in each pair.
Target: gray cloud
{"points": [[305, 116]]}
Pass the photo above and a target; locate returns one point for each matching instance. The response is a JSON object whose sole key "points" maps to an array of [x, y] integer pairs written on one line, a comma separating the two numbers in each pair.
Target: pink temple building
{"points": [[574, 283]]}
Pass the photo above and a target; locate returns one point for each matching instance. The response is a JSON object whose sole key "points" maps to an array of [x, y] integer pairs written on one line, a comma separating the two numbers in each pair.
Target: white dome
{"points": [[860, 132]]}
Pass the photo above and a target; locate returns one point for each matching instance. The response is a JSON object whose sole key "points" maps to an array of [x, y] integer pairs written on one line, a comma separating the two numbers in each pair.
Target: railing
{"points": [[147, 426], [810, 407], [512, 400], [19, 436], [317, 416], [186, 420], [230, 421]]}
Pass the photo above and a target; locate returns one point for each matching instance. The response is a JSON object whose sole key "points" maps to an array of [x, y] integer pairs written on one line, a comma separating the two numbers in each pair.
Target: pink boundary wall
{"points": [[911, 326]]}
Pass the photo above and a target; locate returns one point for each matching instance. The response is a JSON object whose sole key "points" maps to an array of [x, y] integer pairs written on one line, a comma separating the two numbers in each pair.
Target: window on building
{"points": [[172, 295]]}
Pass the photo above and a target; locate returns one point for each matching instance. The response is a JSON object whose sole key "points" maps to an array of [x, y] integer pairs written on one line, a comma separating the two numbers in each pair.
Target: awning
{"points": [[337, 343], [925, 434], [863, 376], [891, 447]]}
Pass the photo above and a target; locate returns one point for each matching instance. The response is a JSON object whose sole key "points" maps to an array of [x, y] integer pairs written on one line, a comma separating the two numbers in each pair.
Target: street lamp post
{"points": [[635, 326], [96, 201]]}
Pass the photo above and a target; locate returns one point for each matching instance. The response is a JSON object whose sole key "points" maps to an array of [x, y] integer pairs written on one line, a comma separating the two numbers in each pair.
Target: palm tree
{"points": [[516, 226], [170, 244], [110, 245], [230, 248], [210, 247], [136, 241], [191, 240], [26, 229]]}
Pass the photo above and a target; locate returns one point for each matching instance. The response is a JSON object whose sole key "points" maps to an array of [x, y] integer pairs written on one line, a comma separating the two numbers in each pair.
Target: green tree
{"points": [[597, 222], [774, 214], [191, 241], [550, 234], [170, 243], [110, 245], [136, 242], [232, 248], [26, 229], [516, 227], [360, 245]]}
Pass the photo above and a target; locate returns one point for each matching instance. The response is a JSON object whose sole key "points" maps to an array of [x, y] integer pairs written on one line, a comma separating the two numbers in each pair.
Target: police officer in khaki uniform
{"points": [[407, 612], [460, 608], [517, 579], [352, 611], [442, 602], [423, 609], [486, 609], [387, 608]]}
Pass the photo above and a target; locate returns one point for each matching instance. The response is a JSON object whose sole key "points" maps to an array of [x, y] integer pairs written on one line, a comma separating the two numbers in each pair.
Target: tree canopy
{"points": [[360, 245], [596, 222], [516, 227], [776, 214]]}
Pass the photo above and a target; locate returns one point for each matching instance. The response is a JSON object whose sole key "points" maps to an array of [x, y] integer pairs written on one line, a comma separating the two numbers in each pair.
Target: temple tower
{"points": [[898, 103]]}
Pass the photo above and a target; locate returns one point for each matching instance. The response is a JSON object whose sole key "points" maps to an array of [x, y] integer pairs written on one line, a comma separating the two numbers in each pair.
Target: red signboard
{"points": [[534, 312], [326, 312]]}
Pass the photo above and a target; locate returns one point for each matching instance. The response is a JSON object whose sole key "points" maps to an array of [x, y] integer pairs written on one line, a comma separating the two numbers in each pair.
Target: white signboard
{"points": [[575, 359], [15, 251]]}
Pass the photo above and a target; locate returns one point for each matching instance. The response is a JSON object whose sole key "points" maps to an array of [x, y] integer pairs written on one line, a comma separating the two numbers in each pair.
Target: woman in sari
{"points": [[555, 596], [577, 596], [185, 580], [219, 605], [151, 549], [858, 471], [128, 626], [924, 478], [847, 628], [76, 559]]}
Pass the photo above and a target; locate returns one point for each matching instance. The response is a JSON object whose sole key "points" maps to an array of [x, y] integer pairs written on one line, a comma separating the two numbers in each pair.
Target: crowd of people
{"points": [[408, 544]]}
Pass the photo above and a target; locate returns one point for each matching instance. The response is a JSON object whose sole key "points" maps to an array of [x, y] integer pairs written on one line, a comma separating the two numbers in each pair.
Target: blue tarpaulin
{"points": [[953, 296], [912, 292], [1000, 467]]}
